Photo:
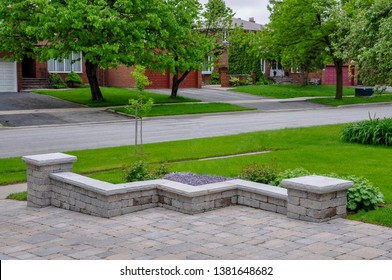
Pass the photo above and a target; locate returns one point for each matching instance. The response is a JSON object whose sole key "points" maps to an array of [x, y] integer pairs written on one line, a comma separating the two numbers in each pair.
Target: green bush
{"points": [[56, 81], [287, 174], [140, 172], [215, 78], [234, 82], [73, 79], [262, 81], [260, 173], [373, 131], [246, 82], [363, 196]]}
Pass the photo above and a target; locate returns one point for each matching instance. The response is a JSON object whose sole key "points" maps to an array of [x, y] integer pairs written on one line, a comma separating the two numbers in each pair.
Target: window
{"points": [[225, 35], [207, 66], [262, 64], [71, 63]]}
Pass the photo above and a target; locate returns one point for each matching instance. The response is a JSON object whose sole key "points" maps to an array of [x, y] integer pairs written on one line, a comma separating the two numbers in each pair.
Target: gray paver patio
{"points": [[235, 232]]}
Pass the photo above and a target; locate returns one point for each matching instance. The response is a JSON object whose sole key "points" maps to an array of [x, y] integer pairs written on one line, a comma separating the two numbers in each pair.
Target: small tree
{"points": [[139, 107]]}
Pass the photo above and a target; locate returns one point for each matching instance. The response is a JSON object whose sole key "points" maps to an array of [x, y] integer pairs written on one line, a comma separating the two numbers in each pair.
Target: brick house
{"points": [[30, 73], [248, 26]]}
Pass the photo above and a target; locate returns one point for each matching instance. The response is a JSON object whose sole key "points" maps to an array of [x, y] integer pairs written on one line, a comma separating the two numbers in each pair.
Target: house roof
{"points": [[248, 25]]}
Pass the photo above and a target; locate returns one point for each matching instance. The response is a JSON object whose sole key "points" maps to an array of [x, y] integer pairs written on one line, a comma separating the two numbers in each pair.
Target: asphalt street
{"points": [[60, 138]]}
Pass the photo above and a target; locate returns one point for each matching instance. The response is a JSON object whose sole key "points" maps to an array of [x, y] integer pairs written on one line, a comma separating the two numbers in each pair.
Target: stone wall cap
{"points": [[49, 159], [84, 182], [317, 184], [263, 189]]}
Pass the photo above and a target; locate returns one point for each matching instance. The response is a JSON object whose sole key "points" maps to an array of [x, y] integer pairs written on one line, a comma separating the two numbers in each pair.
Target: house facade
{"points": [[30, 73], [248, 26]]}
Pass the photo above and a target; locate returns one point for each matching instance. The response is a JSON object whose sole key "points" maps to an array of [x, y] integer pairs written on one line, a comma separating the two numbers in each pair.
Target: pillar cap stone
{"points": [[317, 184], [49, 159]]}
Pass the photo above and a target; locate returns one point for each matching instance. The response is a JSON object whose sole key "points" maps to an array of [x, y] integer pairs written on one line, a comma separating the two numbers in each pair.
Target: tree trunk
{"points": [[91, 71], [339, 79], [304, 76], [177, 81]]}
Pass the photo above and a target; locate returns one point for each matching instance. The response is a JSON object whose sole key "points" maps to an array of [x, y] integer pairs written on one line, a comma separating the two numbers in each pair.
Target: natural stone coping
{"points": [[317, 184], [49, 159], [107, 189]]}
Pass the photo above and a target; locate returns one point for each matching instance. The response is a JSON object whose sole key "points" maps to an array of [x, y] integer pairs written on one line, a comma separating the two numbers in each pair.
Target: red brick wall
{"points": [[120, 77], [297, 77], [193, 80], [158, 80], [41, 69]]}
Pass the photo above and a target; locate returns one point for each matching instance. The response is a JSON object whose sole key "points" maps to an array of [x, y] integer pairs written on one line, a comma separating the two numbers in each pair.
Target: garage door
{"points": [[8, 80]]}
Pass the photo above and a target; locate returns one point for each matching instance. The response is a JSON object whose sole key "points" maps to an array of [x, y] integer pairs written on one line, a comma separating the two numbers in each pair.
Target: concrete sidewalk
{"points": [[228, 233]]}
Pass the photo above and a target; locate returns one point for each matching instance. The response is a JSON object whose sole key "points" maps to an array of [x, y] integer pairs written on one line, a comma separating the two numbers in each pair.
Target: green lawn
{"points": [[184, 109], [291, 91], [112, 96], [352, 100], [317, 149]]}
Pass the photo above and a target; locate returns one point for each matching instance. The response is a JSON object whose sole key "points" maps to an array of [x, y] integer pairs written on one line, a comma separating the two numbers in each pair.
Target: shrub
{"points": [[73, 79], [246, 82], [56, 81], [234, 81], [289, 173], [215, 78], [139, 172], [373, 131], [260, 173], [262, 81], [363, 196]]}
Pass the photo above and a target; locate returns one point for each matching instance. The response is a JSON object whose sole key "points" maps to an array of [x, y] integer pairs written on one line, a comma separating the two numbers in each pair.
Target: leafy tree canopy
{"points": [[369, 41], [107, 32], [304, 34]]}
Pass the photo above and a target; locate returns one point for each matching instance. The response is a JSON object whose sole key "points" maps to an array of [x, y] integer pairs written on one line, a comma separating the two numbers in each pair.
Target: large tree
{"points": [[305, 33], [369, 42], [193, 36], [107, 32]]}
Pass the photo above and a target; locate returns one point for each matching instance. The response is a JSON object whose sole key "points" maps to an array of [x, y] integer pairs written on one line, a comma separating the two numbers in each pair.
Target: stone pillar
{"points": [[316, 198], [253, 76], [224, 77], [39, 167]]}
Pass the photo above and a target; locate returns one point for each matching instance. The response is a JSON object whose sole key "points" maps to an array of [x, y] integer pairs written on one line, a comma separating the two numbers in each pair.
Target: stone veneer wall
{"points": [[50, 182], [82, 194]]}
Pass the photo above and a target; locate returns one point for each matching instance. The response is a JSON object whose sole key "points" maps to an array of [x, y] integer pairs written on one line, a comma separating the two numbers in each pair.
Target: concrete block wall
{"points": [[51, 182]]}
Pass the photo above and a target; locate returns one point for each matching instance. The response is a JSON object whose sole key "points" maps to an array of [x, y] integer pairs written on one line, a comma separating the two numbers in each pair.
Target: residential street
{"points": [[60, 138]]}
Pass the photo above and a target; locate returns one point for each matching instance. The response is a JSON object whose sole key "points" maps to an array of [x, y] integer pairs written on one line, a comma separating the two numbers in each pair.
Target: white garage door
{"points": [[8, 80]]}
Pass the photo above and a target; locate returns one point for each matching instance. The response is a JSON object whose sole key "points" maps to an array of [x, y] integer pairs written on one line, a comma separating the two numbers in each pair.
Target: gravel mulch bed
{"points": [[194, 179]]}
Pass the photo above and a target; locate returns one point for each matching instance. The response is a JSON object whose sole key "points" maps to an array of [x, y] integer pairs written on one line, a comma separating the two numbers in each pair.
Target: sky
{"points": [[245, 9]]}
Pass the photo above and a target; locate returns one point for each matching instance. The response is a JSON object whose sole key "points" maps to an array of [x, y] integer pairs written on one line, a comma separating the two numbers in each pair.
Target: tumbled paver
{"points": [[235, 232]]}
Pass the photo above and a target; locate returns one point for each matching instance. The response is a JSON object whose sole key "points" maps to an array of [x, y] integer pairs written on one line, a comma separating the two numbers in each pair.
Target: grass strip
{"points": [[292, 90], [112, 96], [352, 100], [185, 109]]}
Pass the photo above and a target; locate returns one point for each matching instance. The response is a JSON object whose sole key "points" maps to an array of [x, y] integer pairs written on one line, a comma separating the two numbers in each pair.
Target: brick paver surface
{"points": [[229, 233]]}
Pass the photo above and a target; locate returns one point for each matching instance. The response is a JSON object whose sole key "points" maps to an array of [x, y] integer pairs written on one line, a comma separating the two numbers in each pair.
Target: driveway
{"points": [[30, 109]]}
